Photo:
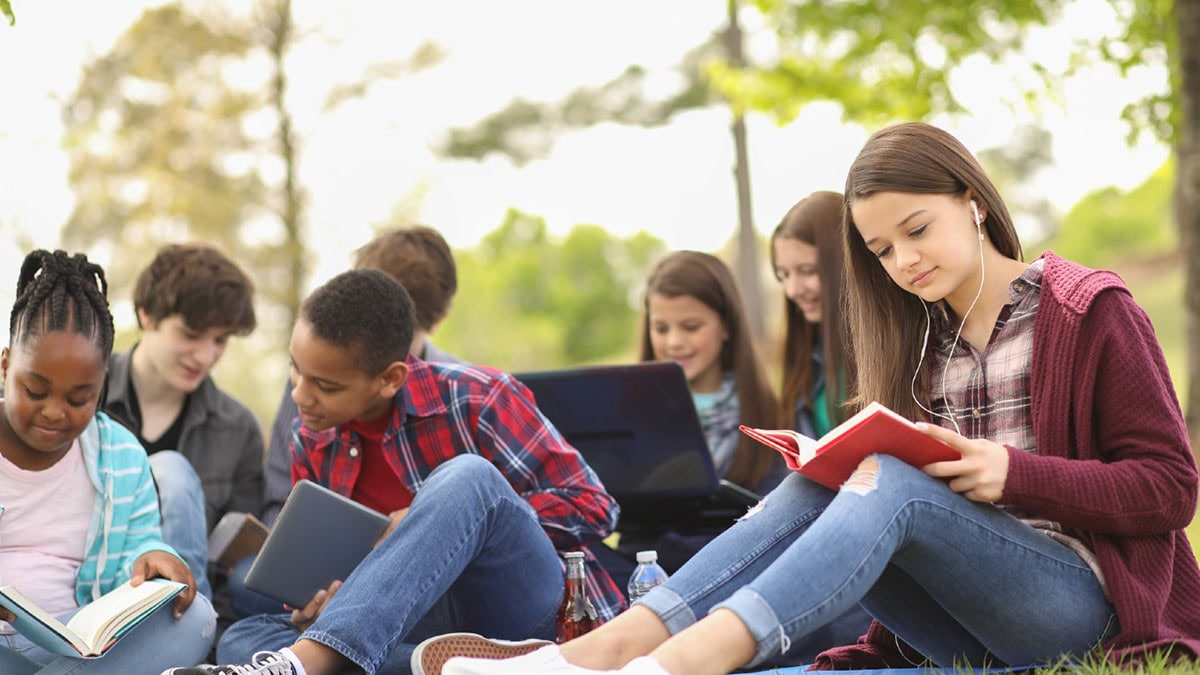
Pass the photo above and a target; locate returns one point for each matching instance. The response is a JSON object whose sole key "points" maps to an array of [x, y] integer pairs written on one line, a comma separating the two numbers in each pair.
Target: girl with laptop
{"points": [[693, 315]]}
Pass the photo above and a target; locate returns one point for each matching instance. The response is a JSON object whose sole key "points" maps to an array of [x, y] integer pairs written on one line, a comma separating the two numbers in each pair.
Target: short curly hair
{"points": [[366, 313], [201, 284], [420, 259]]}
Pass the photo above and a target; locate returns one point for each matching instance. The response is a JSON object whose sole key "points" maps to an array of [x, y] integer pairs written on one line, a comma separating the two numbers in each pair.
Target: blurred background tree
{"points": [[893, 60], [530, 301], [880, 61], [182, 132]]}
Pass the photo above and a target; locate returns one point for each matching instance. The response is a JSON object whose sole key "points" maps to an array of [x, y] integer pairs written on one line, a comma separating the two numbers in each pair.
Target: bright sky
{"points": [[359, 161]]}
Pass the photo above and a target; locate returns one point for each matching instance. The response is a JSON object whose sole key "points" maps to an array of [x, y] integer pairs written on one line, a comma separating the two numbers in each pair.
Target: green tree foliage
{"points": [[892, 59], [157, 143], [6, 10], [528, 300], [526, 130], [1109, 225], [882, 61]]}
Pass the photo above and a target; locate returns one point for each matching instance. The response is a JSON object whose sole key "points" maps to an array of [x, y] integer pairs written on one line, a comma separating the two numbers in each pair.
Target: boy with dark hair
{"points": [[482, 490], [420, 259], [205, 448]]}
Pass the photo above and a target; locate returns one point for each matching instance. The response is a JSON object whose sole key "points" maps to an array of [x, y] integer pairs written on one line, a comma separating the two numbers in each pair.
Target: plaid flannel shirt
{"points": [[445, 410]]}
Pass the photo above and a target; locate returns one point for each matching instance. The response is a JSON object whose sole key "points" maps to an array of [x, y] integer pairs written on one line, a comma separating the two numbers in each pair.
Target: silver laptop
{"points": [[318, 538]]}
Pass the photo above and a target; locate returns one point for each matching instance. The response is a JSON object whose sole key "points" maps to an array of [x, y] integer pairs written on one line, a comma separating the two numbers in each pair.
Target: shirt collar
{"points": [[942, 329]]}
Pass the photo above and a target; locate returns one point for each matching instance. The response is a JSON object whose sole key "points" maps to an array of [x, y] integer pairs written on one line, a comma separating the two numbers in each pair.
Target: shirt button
{"points": [[354, 451], [976, 413]]}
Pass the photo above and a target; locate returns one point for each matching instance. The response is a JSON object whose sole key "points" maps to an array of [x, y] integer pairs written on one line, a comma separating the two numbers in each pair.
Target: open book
{"points": [[236, 536], [874, 430], [97, 626]]}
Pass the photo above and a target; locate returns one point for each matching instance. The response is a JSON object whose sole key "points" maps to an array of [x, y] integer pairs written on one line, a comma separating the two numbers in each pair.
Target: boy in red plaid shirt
{"points": [[482, 490]]}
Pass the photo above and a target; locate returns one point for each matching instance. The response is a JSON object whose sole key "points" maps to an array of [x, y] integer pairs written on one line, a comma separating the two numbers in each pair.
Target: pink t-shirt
{"points": [[43, 530]]}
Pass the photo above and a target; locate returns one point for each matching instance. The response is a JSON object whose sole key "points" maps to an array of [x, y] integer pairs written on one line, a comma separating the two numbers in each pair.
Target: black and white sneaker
{"points": [[262, 663]]}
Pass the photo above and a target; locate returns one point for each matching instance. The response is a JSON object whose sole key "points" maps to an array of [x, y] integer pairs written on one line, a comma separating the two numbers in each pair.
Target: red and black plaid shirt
{"points": [[445, 410]]}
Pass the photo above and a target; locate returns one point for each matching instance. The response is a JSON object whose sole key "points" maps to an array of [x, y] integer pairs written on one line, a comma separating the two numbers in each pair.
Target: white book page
{"points": [[806, 447], [102, 615]]}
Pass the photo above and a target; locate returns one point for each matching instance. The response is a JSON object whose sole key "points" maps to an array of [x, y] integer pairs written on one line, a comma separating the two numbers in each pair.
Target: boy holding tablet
{"points": [[482, 491]]}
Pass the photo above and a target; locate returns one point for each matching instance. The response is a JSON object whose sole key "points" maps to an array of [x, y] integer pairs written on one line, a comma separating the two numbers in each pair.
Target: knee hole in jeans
{"points": [[865, 477]]}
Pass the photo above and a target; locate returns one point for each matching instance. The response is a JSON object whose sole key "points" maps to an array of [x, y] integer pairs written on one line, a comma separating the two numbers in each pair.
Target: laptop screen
{"points": [[635, 425]]}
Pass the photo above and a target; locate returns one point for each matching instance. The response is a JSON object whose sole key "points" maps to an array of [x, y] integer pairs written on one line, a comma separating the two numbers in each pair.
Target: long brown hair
{"points": [[887, 322], [815, 220], [707, 279]]}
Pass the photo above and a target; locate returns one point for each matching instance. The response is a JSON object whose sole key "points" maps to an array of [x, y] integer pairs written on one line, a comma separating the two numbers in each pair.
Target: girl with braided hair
{"points": [[78, 508]]}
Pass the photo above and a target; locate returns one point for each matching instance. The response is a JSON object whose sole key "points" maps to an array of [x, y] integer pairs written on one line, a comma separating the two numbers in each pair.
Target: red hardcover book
{"points": [[875, 430]]}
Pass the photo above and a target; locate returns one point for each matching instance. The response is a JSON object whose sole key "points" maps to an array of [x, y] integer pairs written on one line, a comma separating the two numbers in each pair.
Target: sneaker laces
{"points": [[262, 663]]}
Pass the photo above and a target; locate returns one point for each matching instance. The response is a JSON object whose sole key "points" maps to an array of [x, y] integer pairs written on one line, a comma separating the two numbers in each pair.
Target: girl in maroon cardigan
{"points": [[1058, 534]]}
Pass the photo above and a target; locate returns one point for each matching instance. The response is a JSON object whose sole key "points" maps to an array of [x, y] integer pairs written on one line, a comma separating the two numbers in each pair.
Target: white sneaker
{"points": [[545, 661], [429, 656], [643, 665], [263, 663]]}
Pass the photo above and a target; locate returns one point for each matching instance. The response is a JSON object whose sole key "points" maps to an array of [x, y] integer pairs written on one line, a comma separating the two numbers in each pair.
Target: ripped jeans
{"points": [[961, 582]]}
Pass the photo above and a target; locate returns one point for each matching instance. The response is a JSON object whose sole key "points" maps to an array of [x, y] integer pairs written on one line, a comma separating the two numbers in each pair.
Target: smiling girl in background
{"points": [[806, 254], [694, 315]]}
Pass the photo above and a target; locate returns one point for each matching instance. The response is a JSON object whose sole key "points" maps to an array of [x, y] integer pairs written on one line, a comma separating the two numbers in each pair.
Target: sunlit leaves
{"points": [[6, 10], [540, 301], [157, 142], [426, 55], [527, 130], [881, 60]]}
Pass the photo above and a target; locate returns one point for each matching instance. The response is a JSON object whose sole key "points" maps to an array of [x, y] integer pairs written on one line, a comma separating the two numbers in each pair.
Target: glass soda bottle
{"points": [[646, 575], [576, 615]]}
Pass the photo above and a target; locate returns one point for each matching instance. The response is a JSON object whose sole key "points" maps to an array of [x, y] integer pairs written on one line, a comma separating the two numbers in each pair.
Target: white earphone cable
{"points": [[957, 335]]}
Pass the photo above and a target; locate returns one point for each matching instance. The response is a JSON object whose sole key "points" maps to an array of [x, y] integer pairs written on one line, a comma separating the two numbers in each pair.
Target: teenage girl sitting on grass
{"points": [[1058, 534]]}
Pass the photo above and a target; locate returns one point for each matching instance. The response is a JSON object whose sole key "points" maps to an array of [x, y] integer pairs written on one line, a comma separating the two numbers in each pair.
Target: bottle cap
{"points": [[647, 556], [573, 554]]}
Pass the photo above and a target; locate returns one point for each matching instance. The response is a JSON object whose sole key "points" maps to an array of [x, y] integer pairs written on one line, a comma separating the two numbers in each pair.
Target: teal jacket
{"points": [[125, 521]]}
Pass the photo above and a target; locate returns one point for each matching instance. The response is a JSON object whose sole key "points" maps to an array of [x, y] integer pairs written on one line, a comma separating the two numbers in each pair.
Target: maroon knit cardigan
{"points": [[1113, 464]]}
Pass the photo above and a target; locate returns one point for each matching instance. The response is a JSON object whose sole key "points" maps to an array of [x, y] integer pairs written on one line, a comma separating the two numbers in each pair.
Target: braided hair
{"points": [[61, 292]]}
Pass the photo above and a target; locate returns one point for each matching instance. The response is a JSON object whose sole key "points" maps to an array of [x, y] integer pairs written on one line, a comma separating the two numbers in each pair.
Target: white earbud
{"points": [[978, 223]]}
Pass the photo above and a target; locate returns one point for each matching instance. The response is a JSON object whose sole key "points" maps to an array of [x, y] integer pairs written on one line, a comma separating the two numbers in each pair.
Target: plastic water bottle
{"points": [[646, 575]]}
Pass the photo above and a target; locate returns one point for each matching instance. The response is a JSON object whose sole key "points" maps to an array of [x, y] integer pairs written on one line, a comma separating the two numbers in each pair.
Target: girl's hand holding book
{"points": [[982, 471], [155, 564]]}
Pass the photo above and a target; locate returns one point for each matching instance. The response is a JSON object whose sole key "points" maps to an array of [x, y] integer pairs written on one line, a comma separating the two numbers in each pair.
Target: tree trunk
{"points": [[1187, 199], [747, 242], [291, 216]]}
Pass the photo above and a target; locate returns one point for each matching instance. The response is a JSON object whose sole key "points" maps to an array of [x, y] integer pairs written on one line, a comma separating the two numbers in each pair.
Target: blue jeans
{"points": [[156, 644], [470, 555], [961, 582], [181, 501]]}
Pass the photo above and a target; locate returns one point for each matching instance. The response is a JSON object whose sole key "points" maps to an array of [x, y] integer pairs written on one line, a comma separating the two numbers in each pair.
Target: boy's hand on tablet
{"points": [[303, 618]]}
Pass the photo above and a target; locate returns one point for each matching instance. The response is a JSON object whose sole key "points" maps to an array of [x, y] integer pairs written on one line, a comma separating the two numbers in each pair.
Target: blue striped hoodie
{"points": [[125, 521]]}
